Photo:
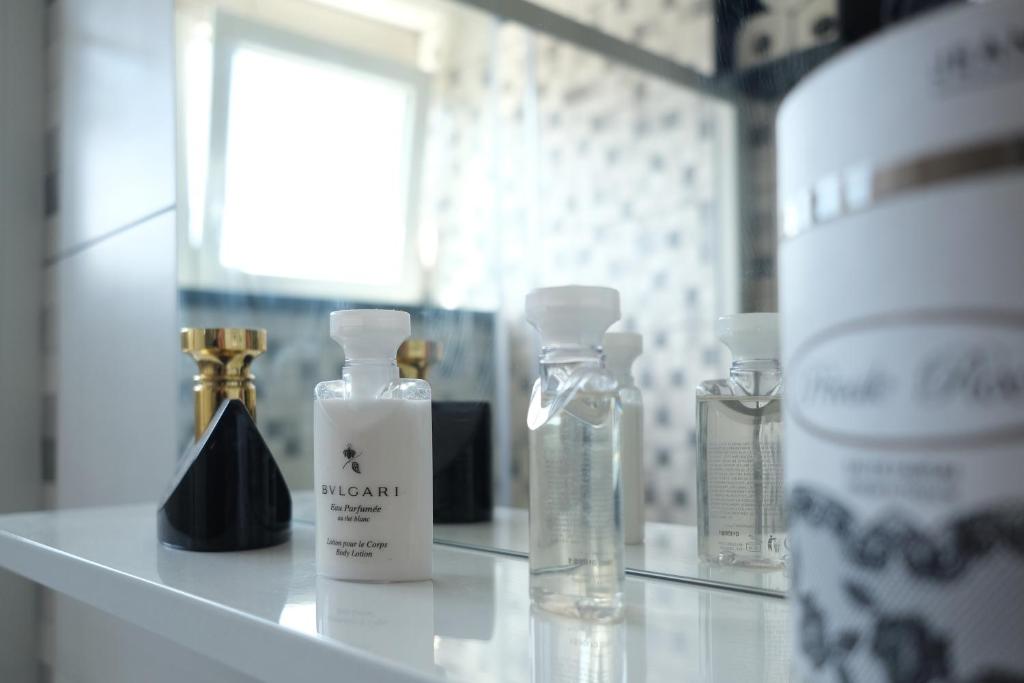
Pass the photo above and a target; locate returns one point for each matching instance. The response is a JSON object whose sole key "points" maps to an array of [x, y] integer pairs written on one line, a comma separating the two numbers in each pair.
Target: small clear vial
{"points": [[740, 509], [621, 350], [576, 541]]}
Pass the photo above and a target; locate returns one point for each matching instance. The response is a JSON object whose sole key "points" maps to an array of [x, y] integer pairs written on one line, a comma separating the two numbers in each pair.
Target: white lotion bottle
{"points": [[621, 349], [372, 457]]}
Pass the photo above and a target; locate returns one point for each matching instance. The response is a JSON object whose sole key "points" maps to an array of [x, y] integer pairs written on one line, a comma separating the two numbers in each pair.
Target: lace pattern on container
{"points": [[940, 555], [900, 643]]}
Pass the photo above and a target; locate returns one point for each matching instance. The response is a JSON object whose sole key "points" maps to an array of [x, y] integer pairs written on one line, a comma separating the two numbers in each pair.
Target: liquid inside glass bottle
{"points": [[740, 507], [576, 536]]}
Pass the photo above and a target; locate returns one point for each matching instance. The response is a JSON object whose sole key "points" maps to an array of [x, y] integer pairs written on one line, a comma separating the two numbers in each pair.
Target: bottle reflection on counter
{"points": [[564, 649]]}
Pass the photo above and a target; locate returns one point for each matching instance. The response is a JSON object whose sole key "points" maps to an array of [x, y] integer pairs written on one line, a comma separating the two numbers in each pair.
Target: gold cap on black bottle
{"points": [[224, 356]]}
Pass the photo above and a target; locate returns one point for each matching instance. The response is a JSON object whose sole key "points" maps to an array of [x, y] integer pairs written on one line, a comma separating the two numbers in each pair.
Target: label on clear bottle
{"points": [[734, 504], [741, 503], [564, 487]]}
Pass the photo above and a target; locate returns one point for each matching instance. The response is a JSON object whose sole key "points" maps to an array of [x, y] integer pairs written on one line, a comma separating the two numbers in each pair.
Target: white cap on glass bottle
{"points": [[750, 336], [573, 314]]}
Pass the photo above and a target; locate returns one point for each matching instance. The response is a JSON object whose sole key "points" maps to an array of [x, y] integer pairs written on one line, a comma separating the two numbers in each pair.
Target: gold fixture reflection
{"points": [[224, 356], [415, 356]]}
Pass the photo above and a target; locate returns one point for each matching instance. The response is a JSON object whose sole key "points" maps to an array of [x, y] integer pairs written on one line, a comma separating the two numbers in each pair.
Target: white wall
{"points": [[113, 258], [22, 162], [113, 274], [117, 367], [116, 116]]}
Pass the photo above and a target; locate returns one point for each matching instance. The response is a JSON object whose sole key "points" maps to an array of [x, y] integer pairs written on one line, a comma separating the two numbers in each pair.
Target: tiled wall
{"points": [[760, 283], [677, 29], [553, 165]]}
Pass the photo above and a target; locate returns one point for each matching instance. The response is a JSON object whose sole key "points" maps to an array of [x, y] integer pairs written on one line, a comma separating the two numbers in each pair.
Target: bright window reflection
{"points": [[316, 170]]}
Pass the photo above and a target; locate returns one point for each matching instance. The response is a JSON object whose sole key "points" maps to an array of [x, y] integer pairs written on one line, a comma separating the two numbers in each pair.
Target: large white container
{"points": [[901, 190]]}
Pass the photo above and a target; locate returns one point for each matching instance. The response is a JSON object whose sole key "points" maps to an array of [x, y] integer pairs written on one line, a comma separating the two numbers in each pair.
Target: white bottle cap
{"points": [[620, 350], [370, 333], [750, 336], [572, 314]]}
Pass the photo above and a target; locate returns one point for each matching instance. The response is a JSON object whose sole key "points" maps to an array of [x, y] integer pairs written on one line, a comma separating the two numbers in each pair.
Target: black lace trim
{"points": [[940, 555], [906, 648]]}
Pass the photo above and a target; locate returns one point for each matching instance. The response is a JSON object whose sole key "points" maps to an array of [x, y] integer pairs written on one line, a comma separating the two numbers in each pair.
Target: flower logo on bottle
{"points": [[350, 458]]}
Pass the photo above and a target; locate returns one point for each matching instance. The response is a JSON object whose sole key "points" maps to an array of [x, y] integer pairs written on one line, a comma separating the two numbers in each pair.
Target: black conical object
{"points": [[228, 493]]}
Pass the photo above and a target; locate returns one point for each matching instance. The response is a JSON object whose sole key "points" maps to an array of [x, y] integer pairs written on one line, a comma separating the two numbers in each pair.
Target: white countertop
{"points": [[266, 614]]}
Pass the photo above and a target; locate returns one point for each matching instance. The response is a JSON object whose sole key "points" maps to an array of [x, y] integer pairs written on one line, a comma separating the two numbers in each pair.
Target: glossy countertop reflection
{"points": [[668, 551], [266, 613]]}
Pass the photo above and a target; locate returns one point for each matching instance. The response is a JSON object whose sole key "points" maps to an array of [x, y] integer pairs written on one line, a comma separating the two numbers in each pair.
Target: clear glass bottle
{"points": [[621, 350], [373, 475], [740, 509], [576, 541]]}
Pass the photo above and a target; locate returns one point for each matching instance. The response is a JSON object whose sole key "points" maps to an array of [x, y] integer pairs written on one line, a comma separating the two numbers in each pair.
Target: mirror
{"points": [[430, 156]]}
